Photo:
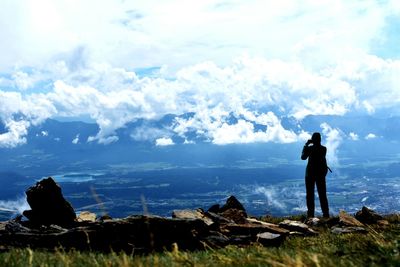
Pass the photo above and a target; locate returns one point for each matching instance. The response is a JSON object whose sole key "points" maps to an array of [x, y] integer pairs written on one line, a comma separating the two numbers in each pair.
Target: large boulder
{"points": [[48, 205]]}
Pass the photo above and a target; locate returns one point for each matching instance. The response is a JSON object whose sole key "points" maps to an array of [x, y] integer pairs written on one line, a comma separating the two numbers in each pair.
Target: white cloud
{"points": [[136, 33], [17, 205], [15, 135], [247, 89], [189, 142], [353, 136], [68, 59], [148, 133], [370, 136], [244, 132], [164, 141], [333, 141], [272, 197], [76, 140]]}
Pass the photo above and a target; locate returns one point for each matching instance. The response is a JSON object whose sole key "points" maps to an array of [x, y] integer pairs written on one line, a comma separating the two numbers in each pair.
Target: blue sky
{"points": [[118, 61]]}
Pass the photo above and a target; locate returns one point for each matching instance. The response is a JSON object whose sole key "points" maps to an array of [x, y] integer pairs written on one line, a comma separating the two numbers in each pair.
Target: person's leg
{"points": [[310, 196], [321, 187]]}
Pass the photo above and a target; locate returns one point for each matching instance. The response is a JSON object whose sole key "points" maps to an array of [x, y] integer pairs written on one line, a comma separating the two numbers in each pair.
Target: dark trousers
{"points": [[311, 181]]}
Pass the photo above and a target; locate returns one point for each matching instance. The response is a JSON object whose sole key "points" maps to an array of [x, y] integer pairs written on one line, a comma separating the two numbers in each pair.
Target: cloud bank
{"points": [[120, 63]]}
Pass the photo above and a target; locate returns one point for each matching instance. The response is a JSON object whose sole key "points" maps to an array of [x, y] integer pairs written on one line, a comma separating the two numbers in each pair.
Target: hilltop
{"points": [[224, 235]]}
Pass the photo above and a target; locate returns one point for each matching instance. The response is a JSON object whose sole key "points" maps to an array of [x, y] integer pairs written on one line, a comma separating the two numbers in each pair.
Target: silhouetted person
{"points": [[316, 171]]}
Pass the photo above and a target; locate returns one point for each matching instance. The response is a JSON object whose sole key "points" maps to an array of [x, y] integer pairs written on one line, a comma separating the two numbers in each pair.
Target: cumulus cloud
{"points": [[76, 140], [370, 136], [248, 91], [322, 64], [164, 141], [333, 140], [353, 136], [15, 135], [148, 133]]}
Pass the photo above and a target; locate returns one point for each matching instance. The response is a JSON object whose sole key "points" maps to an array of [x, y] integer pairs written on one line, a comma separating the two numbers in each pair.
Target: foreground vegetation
{"points": [[380, 247]]}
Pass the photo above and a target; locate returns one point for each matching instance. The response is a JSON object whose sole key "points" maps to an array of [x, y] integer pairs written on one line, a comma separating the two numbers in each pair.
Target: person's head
{"points": [[316, 138]]}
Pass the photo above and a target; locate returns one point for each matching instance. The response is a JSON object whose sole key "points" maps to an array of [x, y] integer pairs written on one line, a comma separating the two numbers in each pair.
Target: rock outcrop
{"points": [[368, 216], [48, 206], [52, 223]]}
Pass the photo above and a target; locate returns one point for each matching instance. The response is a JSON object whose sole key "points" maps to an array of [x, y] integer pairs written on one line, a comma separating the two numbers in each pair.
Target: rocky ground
{"points": [[52, 224]]}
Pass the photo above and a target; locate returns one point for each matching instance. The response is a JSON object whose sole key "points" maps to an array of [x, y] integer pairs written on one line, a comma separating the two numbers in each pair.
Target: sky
{"points": [[114, 62]]}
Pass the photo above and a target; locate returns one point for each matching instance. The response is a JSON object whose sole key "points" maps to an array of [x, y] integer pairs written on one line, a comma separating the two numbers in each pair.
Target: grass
{"points": [[380, 247]]}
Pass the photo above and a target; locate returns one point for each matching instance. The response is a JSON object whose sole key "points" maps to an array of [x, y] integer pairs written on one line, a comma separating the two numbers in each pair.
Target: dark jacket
{"points": [[316, 166]]}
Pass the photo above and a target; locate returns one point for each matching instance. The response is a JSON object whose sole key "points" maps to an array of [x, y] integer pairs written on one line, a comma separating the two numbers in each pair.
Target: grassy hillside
{"points": [[380, 247]]}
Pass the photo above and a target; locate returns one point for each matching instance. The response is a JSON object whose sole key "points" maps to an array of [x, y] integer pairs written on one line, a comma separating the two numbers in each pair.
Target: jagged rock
{"points": [[238, 216], [2, 227], [347, 220], [269, 239], [86, 216], [268, 227], [348, 230], [214, 208], [232, 203], [368, 216], [252, 229], [241, 239], [104, 217], [297, 227], [16, 227], [192, 214], [217, 240], [132, 234], [218, 218], [48, 205]]}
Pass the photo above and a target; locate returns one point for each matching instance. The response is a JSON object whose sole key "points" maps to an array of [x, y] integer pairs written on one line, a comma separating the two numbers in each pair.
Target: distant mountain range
{"points": [[64, 143]]}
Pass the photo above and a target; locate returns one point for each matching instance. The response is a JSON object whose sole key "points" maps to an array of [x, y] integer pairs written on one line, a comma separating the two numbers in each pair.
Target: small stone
{"points": [[252, 229], [347, 220], [383, 223], [216, 240], [348, 230], [268, 227], [240, 239], [269, 239], [192, 214], [218, 218], [86, 216], [297, 227], [104, 218]]}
